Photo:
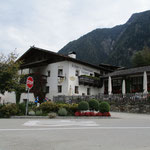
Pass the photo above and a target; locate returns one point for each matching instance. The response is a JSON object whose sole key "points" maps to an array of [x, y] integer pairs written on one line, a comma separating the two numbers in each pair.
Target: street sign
{"points": [[29, 82]]}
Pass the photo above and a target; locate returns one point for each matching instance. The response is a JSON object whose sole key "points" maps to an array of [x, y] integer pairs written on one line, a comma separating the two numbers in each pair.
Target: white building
{"points": [[60, 75]]}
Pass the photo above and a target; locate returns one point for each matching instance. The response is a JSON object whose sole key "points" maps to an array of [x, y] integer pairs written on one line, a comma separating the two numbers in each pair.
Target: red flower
{"points": [[82, 113], [106, 114], [87, 113], [77, 113], [109, 114], [92, 113], [99, 114]]}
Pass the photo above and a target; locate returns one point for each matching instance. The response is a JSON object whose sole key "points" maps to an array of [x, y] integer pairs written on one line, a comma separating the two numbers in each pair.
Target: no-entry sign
{"points": [[29, 82]]}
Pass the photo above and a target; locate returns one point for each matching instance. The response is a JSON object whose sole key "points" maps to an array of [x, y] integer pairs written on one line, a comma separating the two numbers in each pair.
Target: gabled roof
{"points": [[130, 71], [51, 57]]}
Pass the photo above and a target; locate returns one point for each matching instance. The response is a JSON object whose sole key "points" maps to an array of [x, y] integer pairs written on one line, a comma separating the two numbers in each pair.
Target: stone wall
{"points": [[135, 106], [134, 103]]}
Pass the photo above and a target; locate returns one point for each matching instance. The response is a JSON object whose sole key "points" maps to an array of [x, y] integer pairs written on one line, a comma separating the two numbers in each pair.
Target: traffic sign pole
{"points": [[29, 84], [27, 102]]}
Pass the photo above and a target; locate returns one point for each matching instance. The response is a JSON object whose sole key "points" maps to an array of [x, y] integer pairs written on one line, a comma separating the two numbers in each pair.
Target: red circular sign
{"points": [[30, 82]]}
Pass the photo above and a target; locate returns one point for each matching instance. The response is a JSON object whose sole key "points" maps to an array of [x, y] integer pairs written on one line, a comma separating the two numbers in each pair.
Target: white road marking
{"points": [[45, 125], [60, 123], [76, 128]]}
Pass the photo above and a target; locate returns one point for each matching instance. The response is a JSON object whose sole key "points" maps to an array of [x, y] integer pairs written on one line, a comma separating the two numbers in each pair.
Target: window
{"points": [[47, 89], [59, 88], [88, 91], [136, 84], [48, 73], [60, 72], [116, 86], [76, 90], [117, 82], [105, 86], [77, 73], [137, 80], [91, 74]]}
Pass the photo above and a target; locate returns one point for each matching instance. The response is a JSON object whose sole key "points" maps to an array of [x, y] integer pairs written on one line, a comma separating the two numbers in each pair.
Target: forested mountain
{"points": [[113, 45]]}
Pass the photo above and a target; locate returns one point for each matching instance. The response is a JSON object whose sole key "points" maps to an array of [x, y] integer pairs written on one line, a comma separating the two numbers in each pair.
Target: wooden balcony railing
{"points": [[91, 81]]}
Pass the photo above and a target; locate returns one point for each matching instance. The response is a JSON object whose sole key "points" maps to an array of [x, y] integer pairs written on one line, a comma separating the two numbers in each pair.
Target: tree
{"points": [[141, 58], [9, 74]]}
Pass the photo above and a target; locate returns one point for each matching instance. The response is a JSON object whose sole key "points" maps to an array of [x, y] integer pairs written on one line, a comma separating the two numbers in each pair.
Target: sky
{"points": [[51, 24]]}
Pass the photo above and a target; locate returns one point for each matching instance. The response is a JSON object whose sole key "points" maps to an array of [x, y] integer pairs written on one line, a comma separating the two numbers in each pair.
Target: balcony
{"points": [[90, 81]]}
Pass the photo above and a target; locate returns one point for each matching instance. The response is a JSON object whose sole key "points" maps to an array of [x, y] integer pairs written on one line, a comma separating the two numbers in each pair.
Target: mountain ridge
{"points": [[114, 45]]}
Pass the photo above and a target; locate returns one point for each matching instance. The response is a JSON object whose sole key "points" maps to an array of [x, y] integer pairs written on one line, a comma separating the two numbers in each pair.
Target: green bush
{"points": [[104, 107], [31, 113], [66, 106], [1, 106], [71, 108], [9, 110], [39, 113], [83, 105], [62, 112], [35, 108], [54, 107], [48, 107], [1, 114], [52, 115], [31, 104], [94, 104], [22, 108], [100, 101]]}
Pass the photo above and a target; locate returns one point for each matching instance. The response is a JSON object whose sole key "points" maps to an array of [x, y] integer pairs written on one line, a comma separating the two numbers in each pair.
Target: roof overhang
{"points": [[128, 72], [29, 61]]}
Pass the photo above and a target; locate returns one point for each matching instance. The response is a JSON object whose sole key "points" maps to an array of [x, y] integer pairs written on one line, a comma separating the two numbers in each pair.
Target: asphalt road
{"points": [[122, 132]]}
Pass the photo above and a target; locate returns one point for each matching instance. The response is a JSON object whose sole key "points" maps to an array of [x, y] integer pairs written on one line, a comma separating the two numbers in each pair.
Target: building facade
{"points": [[55, 74], [132, 80]]}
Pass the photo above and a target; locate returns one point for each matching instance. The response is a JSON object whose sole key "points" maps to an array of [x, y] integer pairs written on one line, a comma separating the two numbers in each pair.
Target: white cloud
{"points": [[52, 24]]}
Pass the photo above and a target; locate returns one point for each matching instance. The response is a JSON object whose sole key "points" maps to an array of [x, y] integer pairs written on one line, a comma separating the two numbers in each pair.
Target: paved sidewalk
{"points": [[123, 132]]}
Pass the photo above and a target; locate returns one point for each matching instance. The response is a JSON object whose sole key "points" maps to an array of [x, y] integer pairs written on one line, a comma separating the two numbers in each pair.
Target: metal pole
{"points": [[27, 102]]}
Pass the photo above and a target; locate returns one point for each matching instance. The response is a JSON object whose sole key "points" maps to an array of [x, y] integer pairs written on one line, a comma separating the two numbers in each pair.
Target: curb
{"points": [[59, 117], [29, 117]]}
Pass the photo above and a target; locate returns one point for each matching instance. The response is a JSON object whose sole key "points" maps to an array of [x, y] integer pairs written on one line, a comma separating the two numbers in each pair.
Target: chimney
{"points": [[72, 55]]}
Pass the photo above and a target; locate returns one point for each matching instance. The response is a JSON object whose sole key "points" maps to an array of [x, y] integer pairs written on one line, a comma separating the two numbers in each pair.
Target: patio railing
{"points": [[131, 97]]}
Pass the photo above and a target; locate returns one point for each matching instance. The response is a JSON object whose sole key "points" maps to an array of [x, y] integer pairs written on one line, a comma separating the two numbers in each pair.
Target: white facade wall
{"points": [[68, 83], [53, 81], [8, 97], [73, 79], [24, 97]]}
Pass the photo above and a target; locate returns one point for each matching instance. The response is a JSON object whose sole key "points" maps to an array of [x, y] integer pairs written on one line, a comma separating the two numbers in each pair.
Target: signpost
{"points": [[29, 84]]}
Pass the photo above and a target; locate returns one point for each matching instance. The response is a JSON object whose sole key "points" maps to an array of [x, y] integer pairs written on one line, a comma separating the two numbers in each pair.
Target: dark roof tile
{"points": [[129, 71]]}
